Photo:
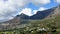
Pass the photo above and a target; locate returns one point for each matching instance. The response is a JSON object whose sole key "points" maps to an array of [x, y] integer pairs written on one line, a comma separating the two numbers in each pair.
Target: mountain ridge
{"points": [[39, 15]]}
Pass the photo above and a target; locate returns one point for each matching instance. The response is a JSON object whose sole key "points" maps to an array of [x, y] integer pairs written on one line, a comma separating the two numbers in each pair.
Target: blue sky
{"points": [[50, 5], [10, 8]]}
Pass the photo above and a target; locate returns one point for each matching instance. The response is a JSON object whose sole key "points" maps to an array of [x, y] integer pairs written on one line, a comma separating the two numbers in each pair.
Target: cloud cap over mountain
{"points": [[11, 8]]}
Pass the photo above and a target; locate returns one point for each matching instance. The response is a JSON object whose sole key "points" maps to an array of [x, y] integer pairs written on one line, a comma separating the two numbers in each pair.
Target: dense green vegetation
{"points": [[46, 26]]}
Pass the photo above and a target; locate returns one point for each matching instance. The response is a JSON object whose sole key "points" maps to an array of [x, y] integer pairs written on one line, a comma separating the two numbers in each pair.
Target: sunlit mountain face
{"points": [[11, 8]]}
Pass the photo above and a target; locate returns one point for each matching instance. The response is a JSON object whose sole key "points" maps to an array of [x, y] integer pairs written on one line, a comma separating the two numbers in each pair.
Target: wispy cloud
{"points": [[58, 1], [42, 9], [40, 2], [9, 8], [28, 11]]}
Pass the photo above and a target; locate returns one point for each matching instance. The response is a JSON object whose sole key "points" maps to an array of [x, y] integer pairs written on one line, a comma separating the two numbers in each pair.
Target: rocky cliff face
{"points": [[57, 10], [54, 13]]}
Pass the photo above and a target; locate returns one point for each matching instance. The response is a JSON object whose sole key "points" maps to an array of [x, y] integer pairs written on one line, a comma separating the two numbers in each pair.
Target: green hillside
{"points": [[46, 26]]}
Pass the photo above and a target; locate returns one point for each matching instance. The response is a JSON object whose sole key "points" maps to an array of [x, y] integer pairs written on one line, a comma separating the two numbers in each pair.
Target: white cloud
{"points": [[58, 1], [28, 11], [9, 8], [42, 8], [34, 11], [39, 2], [2, 19]]}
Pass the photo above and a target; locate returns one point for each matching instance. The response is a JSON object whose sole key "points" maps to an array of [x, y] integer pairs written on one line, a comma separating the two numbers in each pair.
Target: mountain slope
{"points": [[39, 15], [42, 14], [15, 20], [56, 12]]}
